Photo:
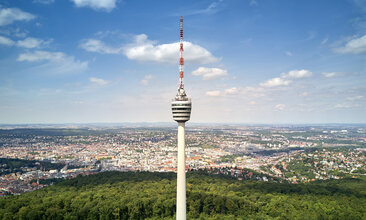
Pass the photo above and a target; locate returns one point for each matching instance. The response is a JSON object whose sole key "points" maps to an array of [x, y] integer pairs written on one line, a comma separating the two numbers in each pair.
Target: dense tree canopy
{"points": [[12, 165], [141, 195]]}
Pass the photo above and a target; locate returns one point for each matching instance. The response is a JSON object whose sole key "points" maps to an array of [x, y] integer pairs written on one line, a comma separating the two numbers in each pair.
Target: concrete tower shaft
{"points": [[181, 213]]}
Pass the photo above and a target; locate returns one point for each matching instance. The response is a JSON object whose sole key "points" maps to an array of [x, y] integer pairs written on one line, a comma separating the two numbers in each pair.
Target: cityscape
{"points": [[117, 109], [280, 153]]}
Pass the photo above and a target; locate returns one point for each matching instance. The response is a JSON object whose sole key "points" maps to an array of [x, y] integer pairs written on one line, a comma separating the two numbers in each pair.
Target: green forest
{"points": [[12, 165], [145, 195]]}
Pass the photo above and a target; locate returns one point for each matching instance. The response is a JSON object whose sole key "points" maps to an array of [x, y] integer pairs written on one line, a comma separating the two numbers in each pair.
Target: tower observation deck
{"points": [[181, 108]]}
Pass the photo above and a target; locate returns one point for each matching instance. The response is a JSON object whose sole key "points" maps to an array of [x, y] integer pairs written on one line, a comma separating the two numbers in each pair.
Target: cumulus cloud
{"points": [[143, 49], [353, 98], [280, 107], [274, 82], [332, 74], [98, 81], [297, 74], [251, 92], [354, 46], [106, 5], [232, 91], [145, 81], [10, 15], [343, 105], [6, 41], [214, 93], [94, 45], [265, 87], [31, 42], [57, 62], [44, 1], [146, 50], [286, 78], [41, 55], [209, 73], [254, 92]]}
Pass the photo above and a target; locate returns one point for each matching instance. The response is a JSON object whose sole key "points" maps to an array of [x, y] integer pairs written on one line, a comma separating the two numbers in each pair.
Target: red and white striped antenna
{"points": [[181, 59]]}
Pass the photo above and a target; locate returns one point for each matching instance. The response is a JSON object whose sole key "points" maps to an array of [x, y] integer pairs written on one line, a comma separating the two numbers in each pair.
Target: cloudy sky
{"points": [[253, 61]]}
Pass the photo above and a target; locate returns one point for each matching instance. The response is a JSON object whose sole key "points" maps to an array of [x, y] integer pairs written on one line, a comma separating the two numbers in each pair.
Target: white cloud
{"points": [[9, 15], [44, 1], [146, 50], [266, 88], [297, 74], [324, 41], [20, 34], [255, 92], [288, 53], [98, 81], [332, 74], [6, 41], [57, 62], [211, 9], [145, 81], [280, 107], [209, 73], [355, 46], [342, 105], [251, 92], [143, 49], [252, 103], [94, 45], [232, 91], [107, 5], [41, 55], [353, 98], [214, 93], [285, 78], [253, 3], [274, 82], [31, 42]]}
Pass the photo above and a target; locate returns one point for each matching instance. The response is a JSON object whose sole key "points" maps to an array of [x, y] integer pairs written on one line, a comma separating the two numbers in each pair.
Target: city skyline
{"points": [[247, 61]]}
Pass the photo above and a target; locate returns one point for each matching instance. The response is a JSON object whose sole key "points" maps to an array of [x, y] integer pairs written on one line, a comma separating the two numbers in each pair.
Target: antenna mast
{"points": [[181, 59]]}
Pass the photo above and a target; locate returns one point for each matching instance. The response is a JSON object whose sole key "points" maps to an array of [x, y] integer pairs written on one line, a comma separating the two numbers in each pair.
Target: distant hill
{"points": [[144, 195]]}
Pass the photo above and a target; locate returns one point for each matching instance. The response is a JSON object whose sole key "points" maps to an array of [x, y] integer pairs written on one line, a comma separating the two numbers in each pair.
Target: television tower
{"points": [[181, 108]]}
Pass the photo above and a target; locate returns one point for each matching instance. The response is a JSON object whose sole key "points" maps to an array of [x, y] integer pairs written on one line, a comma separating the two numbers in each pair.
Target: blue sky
{"points": [[254, 61]]}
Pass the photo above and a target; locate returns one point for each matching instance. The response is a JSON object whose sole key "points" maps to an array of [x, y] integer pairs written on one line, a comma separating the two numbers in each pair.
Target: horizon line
{"points": [[173, 123]]}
